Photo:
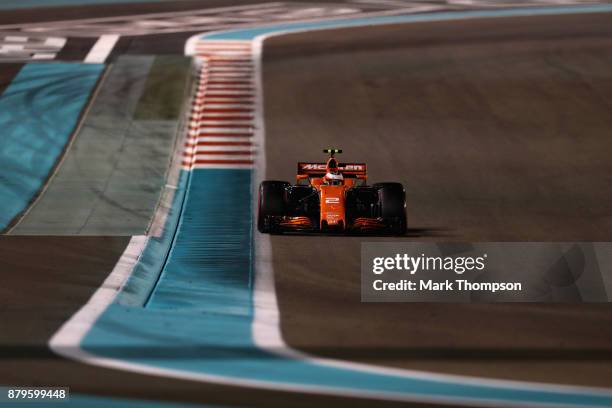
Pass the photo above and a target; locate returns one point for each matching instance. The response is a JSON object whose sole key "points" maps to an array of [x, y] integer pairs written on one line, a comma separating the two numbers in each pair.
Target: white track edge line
{"points": [[101, 49]]}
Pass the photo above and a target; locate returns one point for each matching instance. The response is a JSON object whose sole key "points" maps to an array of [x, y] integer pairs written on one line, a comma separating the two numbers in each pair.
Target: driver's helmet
{"points": [[334, 177], [332, 166]]}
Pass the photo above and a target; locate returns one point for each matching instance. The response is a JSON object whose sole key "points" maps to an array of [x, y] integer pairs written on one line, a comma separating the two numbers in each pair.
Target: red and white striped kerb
{"points": [[222, 120]]}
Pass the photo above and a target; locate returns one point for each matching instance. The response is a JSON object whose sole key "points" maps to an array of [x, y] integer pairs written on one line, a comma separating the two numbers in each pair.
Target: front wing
{"points": [[360, 225]]}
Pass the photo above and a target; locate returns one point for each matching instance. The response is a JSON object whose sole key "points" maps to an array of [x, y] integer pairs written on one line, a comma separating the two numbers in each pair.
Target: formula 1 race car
{"points": [[332, 197]]}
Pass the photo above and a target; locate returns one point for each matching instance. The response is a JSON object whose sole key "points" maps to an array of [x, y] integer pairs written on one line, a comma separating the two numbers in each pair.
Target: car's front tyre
{"points": [[392, 206]]}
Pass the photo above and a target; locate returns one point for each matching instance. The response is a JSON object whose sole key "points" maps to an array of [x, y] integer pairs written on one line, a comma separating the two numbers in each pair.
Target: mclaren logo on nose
{"points": [[341, 167], [313, 166]]}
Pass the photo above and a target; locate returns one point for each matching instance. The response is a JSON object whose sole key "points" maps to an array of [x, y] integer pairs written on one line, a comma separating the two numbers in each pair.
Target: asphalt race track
{"points": [[498, 127], [520, 154]]}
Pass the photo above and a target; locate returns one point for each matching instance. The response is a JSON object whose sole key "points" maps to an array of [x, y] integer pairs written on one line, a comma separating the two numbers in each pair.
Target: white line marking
{"points": [[43, 56], [217, 148], [243, 46], [223, 114], [231, 64], [228, 85], [212, 106], [224, 59], [213, 92], [232, 157], [209, 46], [225, 130], [204, 92], [227, 53], [102, 48], [56, 42], [221, 89], [220, 100], [214, 45], [230, 133], [222, 166], [228, 123], [202, 111], [13, 47], [195, 140], [232, 73], [247, 69], [15, 38]]}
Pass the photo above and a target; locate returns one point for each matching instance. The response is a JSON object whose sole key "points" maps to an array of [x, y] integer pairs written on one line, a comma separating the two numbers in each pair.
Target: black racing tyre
{"points": [[392, 205], [360, 202], [271, 203]]}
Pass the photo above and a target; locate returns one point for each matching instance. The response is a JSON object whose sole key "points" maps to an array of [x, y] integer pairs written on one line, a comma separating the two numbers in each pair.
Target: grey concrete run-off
{"points": [[111, 178]]}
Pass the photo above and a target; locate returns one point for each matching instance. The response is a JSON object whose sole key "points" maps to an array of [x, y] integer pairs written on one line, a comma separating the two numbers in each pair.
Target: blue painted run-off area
{"points": [[38, 112], [23, 4]]}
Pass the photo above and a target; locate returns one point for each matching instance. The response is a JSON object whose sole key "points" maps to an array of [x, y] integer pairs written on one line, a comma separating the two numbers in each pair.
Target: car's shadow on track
{"points": [[410, 233]]}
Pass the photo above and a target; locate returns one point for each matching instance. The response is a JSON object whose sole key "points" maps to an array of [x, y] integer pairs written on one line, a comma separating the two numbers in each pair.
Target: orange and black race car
{"points": [[332, 197]]}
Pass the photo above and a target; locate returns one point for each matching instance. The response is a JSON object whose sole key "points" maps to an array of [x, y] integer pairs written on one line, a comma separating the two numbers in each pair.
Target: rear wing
{"points": [[354, 170]]}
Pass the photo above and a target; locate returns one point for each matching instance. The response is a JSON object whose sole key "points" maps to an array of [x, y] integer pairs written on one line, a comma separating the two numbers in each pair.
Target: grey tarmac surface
{"points": [[7, 73], [41, 14], [500, 131], [26, 15], [45, 279]]}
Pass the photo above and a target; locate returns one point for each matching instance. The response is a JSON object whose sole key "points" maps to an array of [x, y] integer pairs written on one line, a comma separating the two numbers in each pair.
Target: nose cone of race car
{"points": [[332, 207]]}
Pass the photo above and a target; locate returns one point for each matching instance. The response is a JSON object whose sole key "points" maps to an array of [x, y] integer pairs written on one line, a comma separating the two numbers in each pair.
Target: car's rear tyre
{"points": [[392, 206], [271, 204]]}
